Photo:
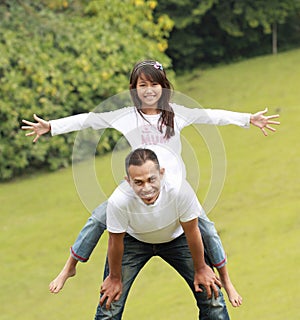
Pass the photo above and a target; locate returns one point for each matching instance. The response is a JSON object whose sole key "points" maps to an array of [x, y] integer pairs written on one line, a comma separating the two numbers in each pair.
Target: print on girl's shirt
{"points": [[151, 135]]}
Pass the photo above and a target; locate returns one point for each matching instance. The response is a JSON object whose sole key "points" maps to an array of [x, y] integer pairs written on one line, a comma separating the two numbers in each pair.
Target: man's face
{"points": [[145, 181]]}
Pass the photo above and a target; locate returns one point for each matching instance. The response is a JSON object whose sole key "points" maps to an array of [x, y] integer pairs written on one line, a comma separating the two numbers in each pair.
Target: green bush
{"points": [[60, 58]]}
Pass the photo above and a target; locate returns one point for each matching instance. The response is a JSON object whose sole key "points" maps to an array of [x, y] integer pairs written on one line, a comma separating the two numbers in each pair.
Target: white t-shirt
{"points": [[141, 133], [156, 223]]}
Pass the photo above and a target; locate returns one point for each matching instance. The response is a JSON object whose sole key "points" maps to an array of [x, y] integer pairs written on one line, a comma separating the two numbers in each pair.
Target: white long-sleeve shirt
{"points": [[141, 132]]}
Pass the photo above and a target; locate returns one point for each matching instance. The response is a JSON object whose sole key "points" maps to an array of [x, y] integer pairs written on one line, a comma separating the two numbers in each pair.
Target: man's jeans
{"points": [[177, 254], [96, 224]]}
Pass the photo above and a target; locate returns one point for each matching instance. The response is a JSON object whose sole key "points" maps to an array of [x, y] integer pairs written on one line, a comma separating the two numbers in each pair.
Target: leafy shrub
{"points": [[60, 58]]}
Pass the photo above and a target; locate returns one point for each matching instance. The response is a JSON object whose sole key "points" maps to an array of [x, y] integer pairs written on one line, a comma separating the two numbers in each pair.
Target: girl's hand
{"points": [[39, 128], [259, 120]]}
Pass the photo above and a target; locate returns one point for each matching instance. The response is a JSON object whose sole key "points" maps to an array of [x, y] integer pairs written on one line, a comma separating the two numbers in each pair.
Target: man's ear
{"points": [[162, 171], [127, 179]]}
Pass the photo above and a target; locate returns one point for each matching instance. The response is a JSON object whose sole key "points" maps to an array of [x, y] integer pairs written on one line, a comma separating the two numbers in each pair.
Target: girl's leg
{"points": [[216, 256], [69, 270], [90, 234], [211, 241], [83, 246], [233, 296]]}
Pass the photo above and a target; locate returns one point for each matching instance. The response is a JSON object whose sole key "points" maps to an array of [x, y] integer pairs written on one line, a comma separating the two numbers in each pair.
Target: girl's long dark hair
{"points": [[151, 70]]}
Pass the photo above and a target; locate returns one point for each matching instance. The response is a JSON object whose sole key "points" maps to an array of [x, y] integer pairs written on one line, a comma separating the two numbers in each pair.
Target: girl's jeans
{"points": [[177, 254], [96, 224]]}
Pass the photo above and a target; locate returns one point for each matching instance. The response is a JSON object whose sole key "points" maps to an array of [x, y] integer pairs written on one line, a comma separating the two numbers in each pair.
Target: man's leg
{"points": [[83, 246], [136, 254], [178, 255]]}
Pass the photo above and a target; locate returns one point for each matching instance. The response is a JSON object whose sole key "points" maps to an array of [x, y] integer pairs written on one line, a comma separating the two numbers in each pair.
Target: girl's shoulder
{"points": [[117, 114], [125, 110], [178, 109], [181, 112]]}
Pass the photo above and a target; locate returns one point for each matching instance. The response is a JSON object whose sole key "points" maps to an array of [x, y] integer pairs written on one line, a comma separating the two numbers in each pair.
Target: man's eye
{"points": [[138, 183]]}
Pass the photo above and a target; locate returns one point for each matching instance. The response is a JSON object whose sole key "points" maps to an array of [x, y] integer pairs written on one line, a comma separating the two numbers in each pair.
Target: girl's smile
{"points": [[149, 92]]}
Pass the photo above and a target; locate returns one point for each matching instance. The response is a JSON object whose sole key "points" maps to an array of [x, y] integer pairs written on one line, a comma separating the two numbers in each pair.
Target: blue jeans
{"points": [[90, 234], [177, 254], [96, 224]]}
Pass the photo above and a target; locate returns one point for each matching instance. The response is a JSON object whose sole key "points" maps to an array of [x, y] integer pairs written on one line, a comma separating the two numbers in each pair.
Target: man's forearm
{"points": [[195, 243], [197, 251], [115, 254]]}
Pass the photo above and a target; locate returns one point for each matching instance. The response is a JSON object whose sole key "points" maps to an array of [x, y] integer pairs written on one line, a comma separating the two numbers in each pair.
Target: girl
{"points": [[150, 91]]}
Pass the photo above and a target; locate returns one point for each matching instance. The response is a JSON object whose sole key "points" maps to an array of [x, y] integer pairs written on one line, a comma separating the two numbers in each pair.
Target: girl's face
{"points": [[149, 92]]}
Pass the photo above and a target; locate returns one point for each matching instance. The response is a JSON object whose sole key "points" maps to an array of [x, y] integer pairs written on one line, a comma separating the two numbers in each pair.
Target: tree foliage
{"points": [[60, 58], [64, 57], [211, 31]]}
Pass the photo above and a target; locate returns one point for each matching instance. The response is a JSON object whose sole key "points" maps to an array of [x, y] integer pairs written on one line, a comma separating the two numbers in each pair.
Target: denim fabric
{"points": [[96, 224], [100, 213], [90, 234], [177, 254], [212, 242]]}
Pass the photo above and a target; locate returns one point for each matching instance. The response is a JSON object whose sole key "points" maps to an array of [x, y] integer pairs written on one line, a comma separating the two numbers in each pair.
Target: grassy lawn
{"points": [[256, 213]]}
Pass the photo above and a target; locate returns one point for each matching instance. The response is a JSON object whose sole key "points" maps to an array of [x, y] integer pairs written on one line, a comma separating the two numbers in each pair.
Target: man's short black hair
{"points": [[140, 156]]}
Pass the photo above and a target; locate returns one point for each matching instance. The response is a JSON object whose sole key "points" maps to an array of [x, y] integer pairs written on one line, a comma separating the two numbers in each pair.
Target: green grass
{"points": [[256, 213]]}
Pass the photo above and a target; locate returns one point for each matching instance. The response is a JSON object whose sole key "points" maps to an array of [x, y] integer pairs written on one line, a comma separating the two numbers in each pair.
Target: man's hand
{"points": [[259, 120], [111, 290], [39, 128], [208, 279]]}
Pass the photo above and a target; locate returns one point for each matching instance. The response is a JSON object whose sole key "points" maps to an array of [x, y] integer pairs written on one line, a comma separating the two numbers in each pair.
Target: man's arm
{"points": [[204, 275], [111, 288]]}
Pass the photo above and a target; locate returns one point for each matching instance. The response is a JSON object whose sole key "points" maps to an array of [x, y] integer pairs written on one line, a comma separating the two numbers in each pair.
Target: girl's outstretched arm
{"points": [[263, 122], [38, 128]]}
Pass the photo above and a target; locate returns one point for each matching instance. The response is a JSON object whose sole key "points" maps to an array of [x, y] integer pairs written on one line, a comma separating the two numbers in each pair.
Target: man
{"points": [[152, 215]]}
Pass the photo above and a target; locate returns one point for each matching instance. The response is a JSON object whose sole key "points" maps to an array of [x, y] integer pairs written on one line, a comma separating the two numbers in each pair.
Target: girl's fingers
{"points": [[273, 116], [30, 134], [28, 122], [264, 131], [274, 122], [37, 118], [270, 128]]}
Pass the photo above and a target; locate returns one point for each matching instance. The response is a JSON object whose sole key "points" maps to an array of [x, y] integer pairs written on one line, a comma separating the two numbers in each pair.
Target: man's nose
{"points": [[147, 186]]}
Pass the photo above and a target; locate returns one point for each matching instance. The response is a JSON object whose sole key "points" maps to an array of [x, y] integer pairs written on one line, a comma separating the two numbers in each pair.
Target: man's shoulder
{"points": [[121, 195], [179, 189], [176, 184]]}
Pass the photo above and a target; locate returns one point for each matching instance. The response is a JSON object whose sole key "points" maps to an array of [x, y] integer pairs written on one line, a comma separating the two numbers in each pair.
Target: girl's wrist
{"points": [[251, 118]]}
